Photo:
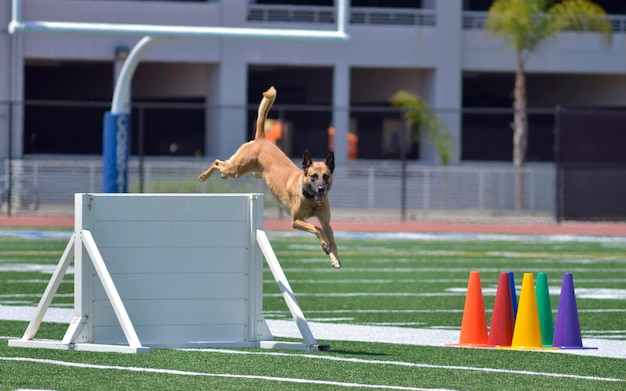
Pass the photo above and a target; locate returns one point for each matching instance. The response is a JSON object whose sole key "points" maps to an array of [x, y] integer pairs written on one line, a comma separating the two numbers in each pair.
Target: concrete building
{"points": [[60, 84]]}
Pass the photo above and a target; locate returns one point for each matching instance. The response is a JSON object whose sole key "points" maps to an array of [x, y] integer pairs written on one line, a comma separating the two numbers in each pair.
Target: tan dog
{"points": [[302, 191]]}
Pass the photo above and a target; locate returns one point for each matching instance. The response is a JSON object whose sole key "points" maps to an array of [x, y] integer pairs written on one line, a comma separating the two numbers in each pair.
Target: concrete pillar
{"points": [[5, 93], [226, 100], [446, 84], [341, 110], [16, 94]]}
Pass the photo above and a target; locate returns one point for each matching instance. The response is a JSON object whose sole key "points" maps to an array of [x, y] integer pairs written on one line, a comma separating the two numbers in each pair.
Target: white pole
{"points": [[51, 290], [110, 289], [18, 26], [285, 288], [342, 16], [122, 84], [173, 31], [16, 15]]}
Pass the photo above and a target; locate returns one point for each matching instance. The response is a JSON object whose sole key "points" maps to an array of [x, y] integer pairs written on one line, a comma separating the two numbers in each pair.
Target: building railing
{"points": [[326, 15], [472, 20], [393, 16], [290, 13], [475, 20]]}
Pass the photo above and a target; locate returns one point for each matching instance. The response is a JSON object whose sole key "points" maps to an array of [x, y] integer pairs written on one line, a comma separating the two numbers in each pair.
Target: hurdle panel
{"points": [[186, 268], [168, 271]]}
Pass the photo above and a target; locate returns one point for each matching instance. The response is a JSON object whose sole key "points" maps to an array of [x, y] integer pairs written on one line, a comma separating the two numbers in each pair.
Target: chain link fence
{"points": [[384, 179], [362, 190]]}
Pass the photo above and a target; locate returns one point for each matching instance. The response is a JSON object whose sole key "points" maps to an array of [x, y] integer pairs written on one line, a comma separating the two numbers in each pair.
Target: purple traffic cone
{"points": [[567, 328]]}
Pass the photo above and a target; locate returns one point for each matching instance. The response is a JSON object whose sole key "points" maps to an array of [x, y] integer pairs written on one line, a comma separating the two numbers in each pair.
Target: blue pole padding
{"points": [[115, 151]]}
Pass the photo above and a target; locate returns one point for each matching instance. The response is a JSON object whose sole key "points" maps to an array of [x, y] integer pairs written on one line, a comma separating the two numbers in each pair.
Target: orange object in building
{"points": [[275, 131], [331, 137], [353, 146], [353, 143]]}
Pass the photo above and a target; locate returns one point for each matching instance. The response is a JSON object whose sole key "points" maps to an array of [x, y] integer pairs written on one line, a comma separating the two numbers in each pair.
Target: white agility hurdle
{"points": [[157, 271]]}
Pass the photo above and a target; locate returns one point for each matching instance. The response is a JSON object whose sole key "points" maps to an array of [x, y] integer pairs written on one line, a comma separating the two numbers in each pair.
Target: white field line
{"points": [[447, 311], [581, 293], [462, 236], [418, 365], [405, 281], [617, 240], [367, 294], [377, 281], [378, 270], [216, 375], [437, 337]]}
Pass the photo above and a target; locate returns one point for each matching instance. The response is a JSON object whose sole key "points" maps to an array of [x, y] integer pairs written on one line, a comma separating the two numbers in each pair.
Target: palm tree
{"points": [[524, 25], [424, 123]]}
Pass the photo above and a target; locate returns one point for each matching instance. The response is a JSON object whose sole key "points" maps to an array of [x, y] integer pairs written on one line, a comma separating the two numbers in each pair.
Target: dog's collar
{"points": [[307, 195]]}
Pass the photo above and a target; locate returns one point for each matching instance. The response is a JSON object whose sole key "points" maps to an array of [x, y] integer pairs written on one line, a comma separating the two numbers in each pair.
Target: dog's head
{"points": [[318, 176]]}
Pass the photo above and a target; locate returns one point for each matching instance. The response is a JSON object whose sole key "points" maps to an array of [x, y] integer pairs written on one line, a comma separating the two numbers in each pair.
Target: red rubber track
{"points": [[571, 228]]}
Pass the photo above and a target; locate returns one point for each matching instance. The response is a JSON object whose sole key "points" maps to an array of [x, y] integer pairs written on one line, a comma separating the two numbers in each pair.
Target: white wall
{"points": [[567, 52], [427, 59]]}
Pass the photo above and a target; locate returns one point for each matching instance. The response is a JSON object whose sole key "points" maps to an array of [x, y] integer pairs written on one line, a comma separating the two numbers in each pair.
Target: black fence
{"points": [[586, 149], [591, 163]]}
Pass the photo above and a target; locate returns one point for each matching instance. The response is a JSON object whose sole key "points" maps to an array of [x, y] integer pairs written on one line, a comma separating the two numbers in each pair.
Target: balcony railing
{"points": [[391, 16], [326, 15], [291, 13], [474, 20]]}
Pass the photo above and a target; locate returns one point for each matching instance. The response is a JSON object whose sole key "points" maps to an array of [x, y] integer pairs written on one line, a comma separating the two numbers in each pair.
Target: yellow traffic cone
{"points": [[527, 332]]}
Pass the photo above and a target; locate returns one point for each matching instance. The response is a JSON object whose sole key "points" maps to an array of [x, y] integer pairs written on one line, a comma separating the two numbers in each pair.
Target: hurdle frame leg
{"points": [[290, 298], [27, 339]]}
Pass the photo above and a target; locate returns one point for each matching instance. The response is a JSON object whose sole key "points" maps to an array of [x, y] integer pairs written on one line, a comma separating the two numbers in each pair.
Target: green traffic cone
{"points": [[545, 310]]}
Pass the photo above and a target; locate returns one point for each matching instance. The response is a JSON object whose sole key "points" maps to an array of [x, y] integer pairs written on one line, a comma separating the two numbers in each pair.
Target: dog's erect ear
{"points": [[330, 161], [306, 160]]}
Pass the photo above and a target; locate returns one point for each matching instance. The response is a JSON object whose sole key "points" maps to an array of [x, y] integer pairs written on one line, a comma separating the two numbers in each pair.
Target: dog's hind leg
{"points": [[207, 173]]}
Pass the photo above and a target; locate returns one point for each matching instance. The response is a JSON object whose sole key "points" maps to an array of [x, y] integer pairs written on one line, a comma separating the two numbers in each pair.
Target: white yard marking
{"points": [[219, 375], [418, 365]]}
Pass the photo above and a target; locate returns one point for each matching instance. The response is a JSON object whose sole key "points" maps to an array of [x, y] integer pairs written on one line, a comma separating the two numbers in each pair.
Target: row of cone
{"points": [[527, 325]]}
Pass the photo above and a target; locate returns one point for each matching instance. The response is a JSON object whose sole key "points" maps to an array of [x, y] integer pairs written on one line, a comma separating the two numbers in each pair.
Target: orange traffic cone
{"points": [[474, 324], [502, 319]]}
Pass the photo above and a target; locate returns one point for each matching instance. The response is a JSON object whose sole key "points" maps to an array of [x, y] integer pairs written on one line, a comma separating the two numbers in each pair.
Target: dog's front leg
{"points": [[327, 231], [321, 236]]}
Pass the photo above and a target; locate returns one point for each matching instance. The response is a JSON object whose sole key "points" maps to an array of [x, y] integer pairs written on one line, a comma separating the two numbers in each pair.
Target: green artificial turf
{"points": [[414, 283]]}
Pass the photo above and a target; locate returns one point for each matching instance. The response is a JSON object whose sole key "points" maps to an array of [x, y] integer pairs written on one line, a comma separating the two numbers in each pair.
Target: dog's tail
{"points": [[269, 97]]}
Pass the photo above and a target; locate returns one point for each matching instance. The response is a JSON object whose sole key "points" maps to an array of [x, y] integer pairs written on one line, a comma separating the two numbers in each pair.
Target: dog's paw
{"points": [[334, 262], [203, 177], [326, 248]]}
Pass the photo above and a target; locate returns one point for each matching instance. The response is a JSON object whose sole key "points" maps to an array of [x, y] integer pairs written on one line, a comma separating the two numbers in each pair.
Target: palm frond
{"points": [[581, 15], [424, 123]]}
